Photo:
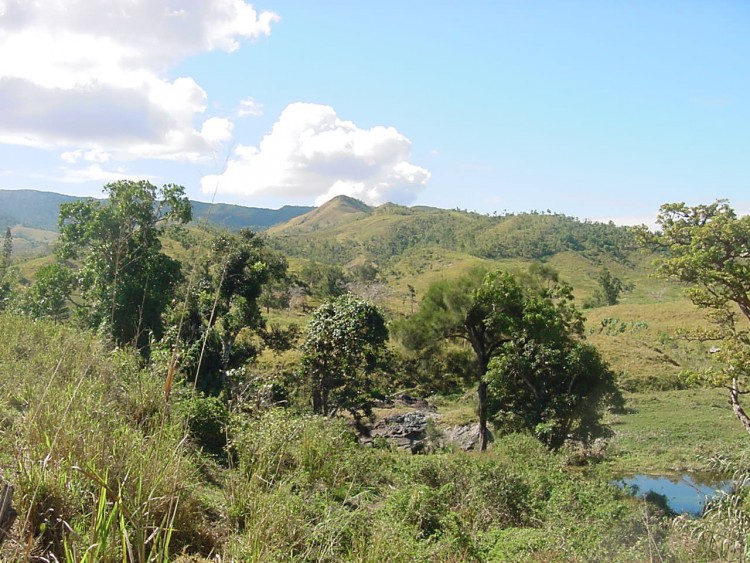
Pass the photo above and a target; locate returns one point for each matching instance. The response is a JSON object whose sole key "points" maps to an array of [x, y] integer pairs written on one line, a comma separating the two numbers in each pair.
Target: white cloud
{"points": [[92, 74], [250, 107], [312, 154], [95, 173], [93, 155]]}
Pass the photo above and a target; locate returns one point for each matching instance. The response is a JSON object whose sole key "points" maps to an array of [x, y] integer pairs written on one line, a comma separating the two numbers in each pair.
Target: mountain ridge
{"points": [[38, 209]]}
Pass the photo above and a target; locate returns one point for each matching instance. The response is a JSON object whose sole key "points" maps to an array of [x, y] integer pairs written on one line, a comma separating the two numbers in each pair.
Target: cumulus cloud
{"points": [[92, 74], [312, 154]]}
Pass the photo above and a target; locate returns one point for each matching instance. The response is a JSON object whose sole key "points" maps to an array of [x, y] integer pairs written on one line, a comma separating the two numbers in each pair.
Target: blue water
{"points": [[684, 495]]}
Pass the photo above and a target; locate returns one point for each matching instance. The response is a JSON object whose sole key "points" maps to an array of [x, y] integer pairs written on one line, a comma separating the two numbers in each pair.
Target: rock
{"points": [[405, 431], [465, 436]]}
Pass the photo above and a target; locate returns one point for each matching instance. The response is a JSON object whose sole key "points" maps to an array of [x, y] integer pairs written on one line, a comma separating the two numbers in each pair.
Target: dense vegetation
{"points": [[171, 394], [391, 230]]}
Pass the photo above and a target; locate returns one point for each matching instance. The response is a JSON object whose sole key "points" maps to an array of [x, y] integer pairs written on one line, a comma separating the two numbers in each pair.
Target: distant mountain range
{"points": [[40, 210]]}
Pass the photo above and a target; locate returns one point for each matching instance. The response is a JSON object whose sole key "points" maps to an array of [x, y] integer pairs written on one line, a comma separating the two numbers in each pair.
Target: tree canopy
{"points": [[343, 349], [498, 316], [124, 278], [708, 246]]}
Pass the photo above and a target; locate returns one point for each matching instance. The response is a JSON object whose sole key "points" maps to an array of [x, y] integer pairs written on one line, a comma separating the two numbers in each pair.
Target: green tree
{"points": [[548, 380], [48, 298], [276, 294], [708, 247], [324, 281], [221, 314], [343, 349], [492, 313], [7, 251], [124, 278], [610, 287]]}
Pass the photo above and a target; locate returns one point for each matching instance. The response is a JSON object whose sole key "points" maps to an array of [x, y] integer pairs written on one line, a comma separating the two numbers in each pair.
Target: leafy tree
{"points": [[708, 247], [343, 349], [7, 251], [276, 294], [324, 281], [48, 298], [610, 286], [124, 278], [494, 314], [222, 310], [548, 381]]}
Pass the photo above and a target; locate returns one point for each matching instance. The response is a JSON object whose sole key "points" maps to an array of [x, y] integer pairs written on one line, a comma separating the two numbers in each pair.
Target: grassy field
{"points": [[674, 432]]}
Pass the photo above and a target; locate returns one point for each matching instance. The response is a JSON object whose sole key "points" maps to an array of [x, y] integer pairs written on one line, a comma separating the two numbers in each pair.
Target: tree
{"points": [[343, 349], [610, 287], [48, 298], [708, 247], [493, 313], [222, 311], [7, 251], [124, 278], [548, 380]]}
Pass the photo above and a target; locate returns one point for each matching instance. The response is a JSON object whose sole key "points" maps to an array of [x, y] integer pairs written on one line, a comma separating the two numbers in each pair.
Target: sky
{"points": [[601, 110]]}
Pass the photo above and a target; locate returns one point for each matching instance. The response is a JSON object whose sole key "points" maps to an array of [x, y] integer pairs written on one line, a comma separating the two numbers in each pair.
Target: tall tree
{"points": [[487, 312], [222, 306], [7, 251], [344, 347], [708, 247], [548, 380], [124, 278]]}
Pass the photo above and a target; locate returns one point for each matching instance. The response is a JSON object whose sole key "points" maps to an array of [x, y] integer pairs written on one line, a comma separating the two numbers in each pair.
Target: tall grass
{"points": [[82, 446]]}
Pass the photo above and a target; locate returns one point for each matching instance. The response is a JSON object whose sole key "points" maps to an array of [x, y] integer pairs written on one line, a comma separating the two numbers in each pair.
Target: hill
{"points": [[343, 230], [235, 217], [32, 209], [40, 210]]}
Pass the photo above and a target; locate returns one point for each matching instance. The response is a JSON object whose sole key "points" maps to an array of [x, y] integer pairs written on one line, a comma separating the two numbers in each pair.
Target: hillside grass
{"points": [[673, 432], [104, 470]]}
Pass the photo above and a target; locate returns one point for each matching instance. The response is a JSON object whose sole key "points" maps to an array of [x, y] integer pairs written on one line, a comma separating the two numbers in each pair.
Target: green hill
{"points": [[30, 208], [344, 229], [40, 210]]}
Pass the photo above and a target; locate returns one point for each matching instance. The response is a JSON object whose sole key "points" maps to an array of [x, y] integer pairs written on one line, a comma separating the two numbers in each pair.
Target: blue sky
{"points": [[600, 110]]}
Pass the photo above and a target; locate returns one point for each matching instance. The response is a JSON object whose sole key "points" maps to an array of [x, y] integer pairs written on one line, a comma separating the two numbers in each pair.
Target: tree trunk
{"points": [[739, 412], [482, 392], [317, 400]]}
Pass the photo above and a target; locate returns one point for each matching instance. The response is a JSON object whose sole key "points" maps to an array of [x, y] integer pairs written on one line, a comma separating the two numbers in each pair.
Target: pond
{"points": [[685, 494]]}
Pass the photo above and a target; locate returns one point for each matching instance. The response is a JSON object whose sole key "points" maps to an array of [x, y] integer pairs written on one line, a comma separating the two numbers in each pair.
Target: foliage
{"points": [[384, 234], [48, 297], [221, 310], [323, 281], [553, 385], [207, 419], [723, 530], [6, 284], [124, 278], [708, 246], [525, 325], [344, 347], [92, 469], [609, 291], [102, 473]]}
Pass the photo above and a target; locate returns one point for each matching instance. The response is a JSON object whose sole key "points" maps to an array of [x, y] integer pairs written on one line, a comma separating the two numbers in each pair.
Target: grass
{"points": [[103, 472], [674, 432], [642, 342]]}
